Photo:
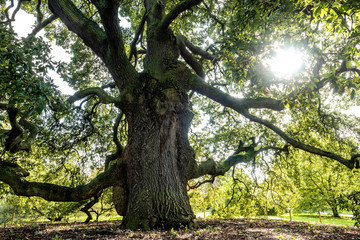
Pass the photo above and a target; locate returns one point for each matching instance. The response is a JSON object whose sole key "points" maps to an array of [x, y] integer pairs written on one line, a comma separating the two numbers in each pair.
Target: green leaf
{"points": [[317, 11], [327, 75], [349, 64]]}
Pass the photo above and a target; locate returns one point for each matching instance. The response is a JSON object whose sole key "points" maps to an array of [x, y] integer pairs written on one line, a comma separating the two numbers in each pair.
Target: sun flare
{"points": [[286, 62]]}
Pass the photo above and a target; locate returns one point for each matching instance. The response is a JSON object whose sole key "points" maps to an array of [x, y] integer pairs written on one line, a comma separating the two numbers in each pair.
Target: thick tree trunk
{"points": [[335, 211], [157, 157]]}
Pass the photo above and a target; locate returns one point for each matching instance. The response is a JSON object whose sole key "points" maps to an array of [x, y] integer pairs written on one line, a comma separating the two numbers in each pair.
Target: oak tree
{"points": [[178, 61]]}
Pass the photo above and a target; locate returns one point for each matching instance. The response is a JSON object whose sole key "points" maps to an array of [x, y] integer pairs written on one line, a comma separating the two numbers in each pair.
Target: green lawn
{"points": [[300, 217], [314, 218]]}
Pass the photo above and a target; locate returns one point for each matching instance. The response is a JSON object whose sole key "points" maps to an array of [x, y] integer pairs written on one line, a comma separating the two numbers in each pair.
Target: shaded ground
{"points": [[209, 229]]}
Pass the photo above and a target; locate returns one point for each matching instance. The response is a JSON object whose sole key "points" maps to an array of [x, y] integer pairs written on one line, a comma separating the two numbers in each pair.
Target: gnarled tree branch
{"points": [[242, 106], [12, 18], [348, 163], [194, 49], [190, 59], [238, 104], [15, 141], [119, 148], [89, 205], [14, 177], [77, 22], [139, 31], [99, 92], [116, 58], [175, 12], [182, 43], [241, 155]]}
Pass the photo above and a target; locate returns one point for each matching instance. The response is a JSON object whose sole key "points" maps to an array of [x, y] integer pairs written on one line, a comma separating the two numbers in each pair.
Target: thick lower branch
{"points": [[238, 104], [213, 168], [14, 177]]}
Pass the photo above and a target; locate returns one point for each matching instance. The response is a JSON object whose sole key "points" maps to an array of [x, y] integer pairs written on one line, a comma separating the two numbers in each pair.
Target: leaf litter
{"points": [[209, 229]]}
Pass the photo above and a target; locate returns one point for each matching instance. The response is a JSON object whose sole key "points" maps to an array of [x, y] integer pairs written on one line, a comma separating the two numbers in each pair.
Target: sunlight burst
{"points": [[286, 62]]}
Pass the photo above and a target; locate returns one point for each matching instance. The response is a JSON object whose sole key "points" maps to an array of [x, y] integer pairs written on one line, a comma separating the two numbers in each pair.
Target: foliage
{"points": [[23, 69], [351, 202], [7, 211], [323, 182]]}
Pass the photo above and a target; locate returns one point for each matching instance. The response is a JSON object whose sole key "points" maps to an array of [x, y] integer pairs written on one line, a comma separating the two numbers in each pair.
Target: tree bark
{"points": [[157, 157], [335, 211]]}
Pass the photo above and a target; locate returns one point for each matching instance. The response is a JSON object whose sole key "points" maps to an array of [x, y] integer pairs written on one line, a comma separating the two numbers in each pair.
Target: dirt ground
{"points": [[208, 229]]}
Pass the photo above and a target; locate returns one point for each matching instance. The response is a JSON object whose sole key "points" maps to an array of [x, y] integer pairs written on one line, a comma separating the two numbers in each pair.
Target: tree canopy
{"points": [[185, 92]]}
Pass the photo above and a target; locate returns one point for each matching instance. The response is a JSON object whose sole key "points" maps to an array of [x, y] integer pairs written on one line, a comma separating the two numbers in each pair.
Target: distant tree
{"points": [[140, 89], [351, 202], [323, 183]]}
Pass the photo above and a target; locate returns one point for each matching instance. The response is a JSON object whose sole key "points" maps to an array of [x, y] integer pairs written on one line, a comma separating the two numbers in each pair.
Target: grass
{"points": [[302, 217], [314, 218], [299, 217], [76, 217]]}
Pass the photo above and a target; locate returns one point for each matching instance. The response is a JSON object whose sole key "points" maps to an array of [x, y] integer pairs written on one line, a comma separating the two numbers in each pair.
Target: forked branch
{"points": [[77, 22], [194, 49], [107, 44], [176, 11], [190, 59], [109, 11], [241, 155], [39, 16], [183, 44], [7, 15]]}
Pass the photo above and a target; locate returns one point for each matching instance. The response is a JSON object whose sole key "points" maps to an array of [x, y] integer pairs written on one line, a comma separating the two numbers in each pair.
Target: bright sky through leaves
{"points": [[286, 62], [23, 26]]}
